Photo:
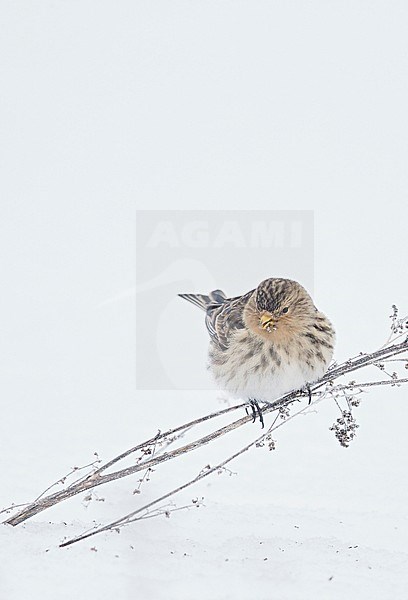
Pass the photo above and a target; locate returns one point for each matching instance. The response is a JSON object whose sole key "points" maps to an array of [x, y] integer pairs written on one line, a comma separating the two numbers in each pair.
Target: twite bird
{"points": [[267, 342]]}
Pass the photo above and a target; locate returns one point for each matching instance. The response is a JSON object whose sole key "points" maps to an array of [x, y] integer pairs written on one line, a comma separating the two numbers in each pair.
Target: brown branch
{"points": [[96, 479], [161, 436], [392, 382], [131, 517]]}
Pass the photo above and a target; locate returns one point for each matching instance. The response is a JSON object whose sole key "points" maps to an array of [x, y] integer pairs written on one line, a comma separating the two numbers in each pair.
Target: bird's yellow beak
{"points": [[267, 321]]}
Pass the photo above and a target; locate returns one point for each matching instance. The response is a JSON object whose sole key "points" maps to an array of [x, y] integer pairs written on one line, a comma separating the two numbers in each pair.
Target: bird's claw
{"points": [[256, 411]]}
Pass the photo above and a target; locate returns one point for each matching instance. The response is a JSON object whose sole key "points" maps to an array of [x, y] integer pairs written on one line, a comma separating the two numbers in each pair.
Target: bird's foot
{"points": [[307, 390], [256, 411]]}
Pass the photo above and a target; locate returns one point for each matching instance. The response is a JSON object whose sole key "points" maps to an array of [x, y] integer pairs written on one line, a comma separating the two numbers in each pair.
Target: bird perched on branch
{"points": [[267, 342]]}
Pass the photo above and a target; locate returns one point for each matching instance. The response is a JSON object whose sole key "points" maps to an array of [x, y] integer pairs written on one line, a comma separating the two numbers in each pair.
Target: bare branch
{"points": [[131, 517], [97, 477]]}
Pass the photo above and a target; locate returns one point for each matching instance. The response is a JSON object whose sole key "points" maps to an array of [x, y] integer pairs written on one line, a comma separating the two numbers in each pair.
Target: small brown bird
{"points": [[267, 342]]}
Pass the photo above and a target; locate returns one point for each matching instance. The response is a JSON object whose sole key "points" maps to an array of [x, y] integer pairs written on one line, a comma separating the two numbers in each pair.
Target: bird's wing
{"points": [[223, 318], [214, 298]]}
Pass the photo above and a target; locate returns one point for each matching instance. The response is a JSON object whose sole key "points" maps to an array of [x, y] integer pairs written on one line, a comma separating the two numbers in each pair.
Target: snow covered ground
{"points": [[109, 108], [310, 519]]}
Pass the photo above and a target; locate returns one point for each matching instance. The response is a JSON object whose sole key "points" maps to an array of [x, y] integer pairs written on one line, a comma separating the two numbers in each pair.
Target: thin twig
{"points": [[129, 518], [161, 436], [95, 479], [392, 382]]}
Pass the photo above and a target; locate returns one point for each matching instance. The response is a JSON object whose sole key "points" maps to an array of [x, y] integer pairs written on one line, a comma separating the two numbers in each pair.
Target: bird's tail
{"points": [[202, 301]]}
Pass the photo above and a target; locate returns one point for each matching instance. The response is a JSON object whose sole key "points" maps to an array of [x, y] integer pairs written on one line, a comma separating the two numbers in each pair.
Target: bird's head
{"points": [[278, 305]]}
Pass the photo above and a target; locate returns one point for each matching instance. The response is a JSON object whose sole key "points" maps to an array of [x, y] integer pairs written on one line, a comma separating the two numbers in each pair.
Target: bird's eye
{"points": [[285, 310]]}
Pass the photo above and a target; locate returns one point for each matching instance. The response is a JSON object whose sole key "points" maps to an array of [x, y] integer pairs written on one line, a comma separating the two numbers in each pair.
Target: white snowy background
{"points": [[109, 107]]}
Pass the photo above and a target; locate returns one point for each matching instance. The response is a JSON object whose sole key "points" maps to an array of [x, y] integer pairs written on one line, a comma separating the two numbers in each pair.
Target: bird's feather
{"points": [[223, 315]]}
